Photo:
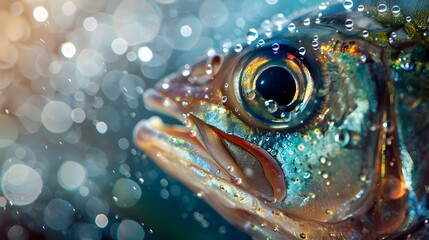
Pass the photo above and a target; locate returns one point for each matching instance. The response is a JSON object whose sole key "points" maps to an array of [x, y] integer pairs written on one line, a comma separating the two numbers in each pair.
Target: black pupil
{"points": [[276, 83]]}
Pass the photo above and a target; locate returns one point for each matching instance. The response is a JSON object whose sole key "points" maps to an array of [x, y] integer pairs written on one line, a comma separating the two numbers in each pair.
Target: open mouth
{"points": [[206, 149]]}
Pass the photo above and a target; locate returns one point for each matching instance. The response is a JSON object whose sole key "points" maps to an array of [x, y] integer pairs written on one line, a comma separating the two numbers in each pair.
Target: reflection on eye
{"points": [[276, 86]]}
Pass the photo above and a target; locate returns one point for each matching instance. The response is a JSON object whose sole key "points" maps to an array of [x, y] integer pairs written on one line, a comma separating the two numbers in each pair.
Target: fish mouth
{"points": [[204, 151]]}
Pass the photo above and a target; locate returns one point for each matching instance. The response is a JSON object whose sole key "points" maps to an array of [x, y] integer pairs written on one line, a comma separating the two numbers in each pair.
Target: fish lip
{"points": [[218, 157]]}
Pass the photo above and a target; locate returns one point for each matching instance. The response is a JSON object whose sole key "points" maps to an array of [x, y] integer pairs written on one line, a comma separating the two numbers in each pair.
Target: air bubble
{"points": [[271, 106], [382, 8], [348, 4], [252, 35]]}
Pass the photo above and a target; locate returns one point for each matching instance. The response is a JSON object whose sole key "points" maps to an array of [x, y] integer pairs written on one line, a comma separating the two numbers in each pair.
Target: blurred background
{"points": [[71, 77]]}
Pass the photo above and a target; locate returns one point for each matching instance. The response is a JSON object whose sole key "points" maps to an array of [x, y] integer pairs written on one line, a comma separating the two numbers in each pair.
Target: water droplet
{"points": [[349, 24], [396, 10], [307, 175], [238, 180], [316, 37], [238, 47], [271, 106], [348, 4], [307, 22], [209, 69], [275, 47], [261, 42], [408, 19], [230, 168], [322, 6], [291, 27], [315, 44], [363, 177], [186, 71], [363, 58], [250, 94], [302, 235], [286, 116], [279, 20], [361, 8], [252, 35], [388, 126], [323, 159], [365, 33], [317, 21], [325, 175], [301, 50], [224, 99], [382, 8]]}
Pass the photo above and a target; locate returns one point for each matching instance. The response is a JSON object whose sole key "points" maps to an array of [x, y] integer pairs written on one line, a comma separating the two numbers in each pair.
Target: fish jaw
{"points": [[183, 155]]}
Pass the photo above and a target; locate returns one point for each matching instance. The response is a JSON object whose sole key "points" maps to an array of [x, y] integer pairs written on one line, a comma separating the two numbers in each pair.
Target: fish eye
{"points": [[277, 85]]}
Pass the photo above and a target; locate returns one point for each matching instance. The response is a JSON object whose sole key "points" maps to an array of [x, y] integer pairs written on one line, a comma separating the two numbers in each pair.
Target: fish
{"points": [[315, 126]]}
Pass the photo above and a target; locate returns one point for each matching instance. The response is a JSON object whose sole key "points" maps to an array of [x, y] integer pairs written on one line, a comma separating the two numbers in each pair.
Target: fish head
{"points": [[283, 134]]}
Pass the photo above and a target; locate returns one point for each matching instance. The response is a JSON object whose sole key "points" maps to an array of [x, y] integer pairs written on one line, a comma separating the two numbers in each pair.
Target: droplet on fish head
{"points": [[408, 19], [301, 51], [396, 10], [275, 47], [261, 43], [348, 4], [322, 6], [252, 35], [381, 8], [249, 94], [271, 106], [238, 47], [279, 20], [307, 22], [315, 44], [186, 70], [291, 27], [349, 24]]}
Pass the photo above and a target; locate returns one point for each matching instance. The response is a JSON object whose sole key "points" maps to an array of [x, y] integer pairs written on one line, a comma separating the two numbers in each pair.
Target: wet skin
{"points": [[310, 131]]}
